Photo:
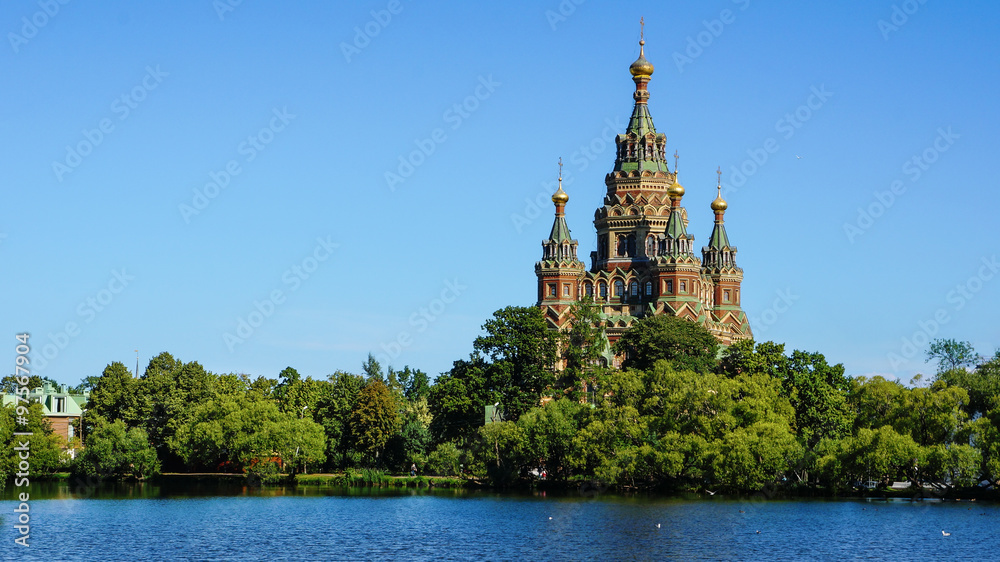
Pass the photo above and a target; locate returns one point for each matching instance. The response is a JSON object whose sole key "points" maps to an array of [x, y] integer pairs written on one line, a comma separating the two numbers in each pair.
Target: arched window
{"points": [[619, 288], [649, 288], [588, 290], [603, 290], [670, 287], [633, 289]]}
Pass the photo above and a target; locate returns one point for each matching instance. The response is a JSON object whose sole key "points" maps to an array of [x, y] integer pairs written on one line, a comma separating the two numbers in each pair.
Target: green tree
{"points": [[444, 460], [115, 396], [334, 405], [245, 433], [548, 433], [44, 446], [951, 354], [416, 384], [115, 451], [457, 400], [687, 345], [375, 418], [502, 451], [818, 393], [750, 458], [934, 415], [522, 351], [585, 342], [373, 369], [982, 384]]}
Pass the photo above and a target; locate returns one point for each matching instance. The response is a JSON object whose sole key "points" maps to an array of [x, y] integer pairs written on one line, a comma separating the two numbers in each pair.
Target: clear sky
{"points": [[173, 172]]}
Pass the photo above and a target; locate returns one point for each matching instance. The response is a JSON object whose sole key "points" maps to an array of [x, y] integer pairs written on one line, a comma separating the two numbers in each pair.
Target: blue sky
{"points": [[212, 182]]}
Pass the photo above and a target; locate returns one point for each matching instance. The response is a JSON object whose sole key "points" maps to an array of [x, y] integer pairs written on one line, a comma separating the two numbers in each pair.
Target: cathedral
{"points": [[645, 263]]}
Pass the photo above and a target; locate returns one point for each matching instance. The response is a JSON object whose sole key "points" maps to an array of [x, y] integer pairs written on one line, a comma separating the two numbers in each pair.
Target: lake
{"points": [[147, 523]]}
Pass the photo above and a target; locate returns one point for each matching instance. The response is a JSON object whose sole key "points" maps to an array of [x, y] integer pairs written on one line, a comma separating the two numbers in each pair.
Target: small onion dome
{"points": [[676, 190], [719, 204], [641, 66], [560, 197]]}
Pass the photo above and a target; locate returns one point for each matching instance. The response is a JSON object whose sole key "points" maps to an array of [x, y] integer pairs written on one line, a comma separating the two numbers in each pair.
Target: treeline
{"points": [[679, 415]]}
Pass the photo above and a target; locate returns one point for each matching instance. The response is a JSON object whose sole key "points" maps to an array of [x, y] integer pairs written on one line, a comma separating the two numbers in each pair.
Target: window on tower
{"points": [[633, 289], [725, 295], [588, 290], [670, 287], [603, 290], [619, 288], [566, 289], [552, 289], [649, 288], [684, 286]]}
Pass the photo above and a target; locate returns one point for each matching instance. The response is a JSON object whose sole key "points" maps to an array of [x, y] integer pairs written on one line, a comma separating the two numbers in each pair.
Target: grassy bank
{"points": [[378, 479]]}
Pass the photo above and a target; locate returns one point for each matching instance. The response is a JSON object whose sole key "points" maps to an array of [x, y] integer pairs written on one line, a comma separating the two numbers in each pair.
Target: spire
{"points": [[641, 147], [719, 254], [677, 240], [560, 230], [641, 70], [560, 245]]}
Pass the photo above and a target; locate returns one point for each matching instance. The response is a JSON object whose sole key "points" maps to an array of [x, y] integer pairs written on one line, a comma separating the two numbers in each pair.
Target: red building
{"points": [[645, 262]]}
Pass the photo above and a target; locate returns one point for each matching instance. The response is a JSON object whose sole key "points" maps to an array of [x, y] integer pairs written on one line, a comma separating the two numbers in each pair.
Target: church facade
{"points": [[645, 263]]}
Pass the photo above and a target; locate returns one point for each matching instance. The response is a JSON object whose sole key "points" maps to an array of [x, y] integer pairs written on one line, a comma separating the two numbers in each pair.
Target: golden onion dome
{"points": [[676, 190], [641, 66], [560, 197], [719, 204]]}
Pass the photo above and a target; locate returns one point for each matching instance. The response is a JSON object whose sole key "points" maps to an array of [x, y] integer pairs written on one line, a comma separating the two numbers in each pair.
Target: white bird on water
{"points": [[657, 525], [945, 534]]}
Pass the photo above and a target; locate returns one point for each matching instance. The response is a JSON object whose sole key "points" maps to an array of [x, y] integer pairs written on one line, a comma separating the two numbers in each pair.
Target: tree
{"points": [[375, 418], [750, 458], [373, 369], [982, 384], [522, 350], [817, 392], [585, 341], [687, 345], [243, 433], [951, 354], [501, 451], [416, 384], [45, 447], [115, 451], [457, 400], [115, 396], [334, 405], [549, 431]]}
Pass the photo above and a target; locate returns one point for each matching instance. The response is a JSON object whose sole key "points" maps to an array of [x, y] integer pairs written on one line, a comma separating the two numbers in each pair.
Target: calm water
{"points": [[472, 526]]}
